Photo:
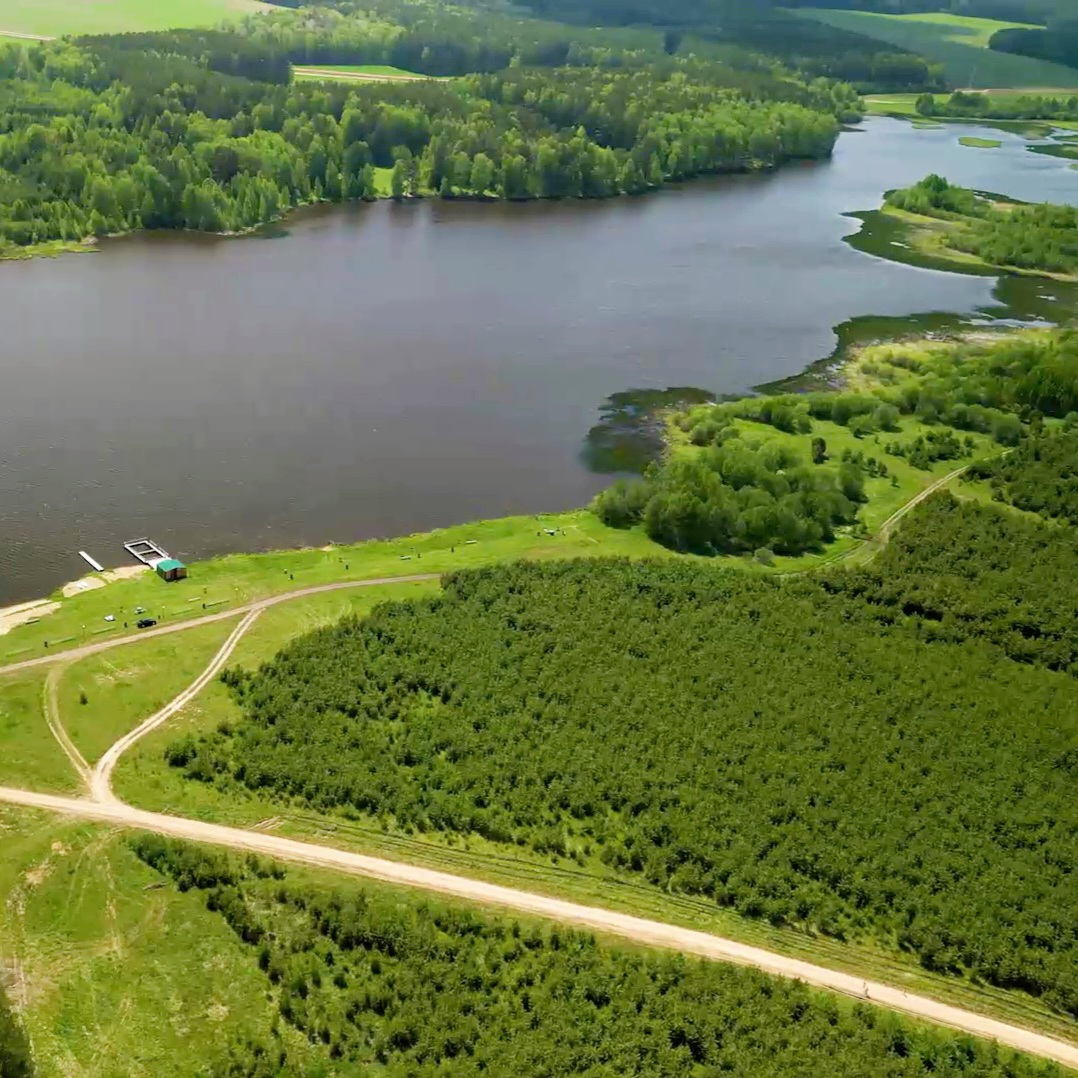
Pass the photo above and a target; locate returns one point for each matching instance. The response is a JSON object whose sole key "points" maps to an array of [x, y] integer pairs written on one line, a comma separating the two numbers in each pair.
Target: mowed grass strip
{"points": [[958, 42], [55, 18]]}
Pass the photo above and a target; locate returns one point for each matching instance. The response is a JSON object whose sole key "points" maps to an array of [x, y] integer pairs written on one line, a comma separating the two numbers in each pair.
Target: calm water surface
{"points": [[382, 369]]}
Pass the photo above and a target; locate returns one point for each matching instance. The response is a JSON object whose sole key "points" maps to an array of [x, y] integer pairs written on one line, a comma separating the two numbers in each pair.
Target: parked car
{"points": [[145, 623]]}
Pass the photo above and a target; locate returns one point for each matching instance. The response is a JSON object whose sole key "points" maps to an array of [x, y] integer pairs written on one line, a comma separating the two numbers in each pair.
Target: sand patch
{"points": [[11, 617], [87, 583], [125, 572]]}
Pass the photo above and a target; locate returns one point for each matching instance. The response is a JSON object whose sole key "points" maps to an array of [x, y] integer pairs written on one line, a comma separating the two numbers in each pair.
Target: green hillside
{"points": [[958, 42]]}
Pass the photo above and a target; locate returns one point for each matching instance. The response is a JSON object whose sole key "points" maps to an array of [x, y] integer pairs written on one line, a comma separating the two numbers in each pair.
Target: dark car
{"points": [[145, 623]]}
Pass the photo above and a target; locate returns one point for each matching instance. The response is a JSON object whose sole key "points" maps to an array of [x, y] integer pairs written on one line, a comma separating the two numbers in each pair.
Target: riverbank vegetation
{"points": [[1041, 476], [939, 224], [418, 985], [119, 134]]}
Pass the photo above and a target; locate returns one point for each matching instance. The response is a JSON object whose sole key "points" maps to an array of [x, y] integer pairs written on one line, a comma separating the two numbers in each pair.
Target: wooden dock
{"points": [[93, 561], [146, 551]]}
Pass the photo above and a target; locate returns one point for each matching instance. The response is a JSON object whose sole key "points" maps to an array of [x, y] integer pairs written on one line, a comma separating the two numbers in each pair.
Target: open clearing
{"points": [[358, 73], [54, 18], [958, 42]]}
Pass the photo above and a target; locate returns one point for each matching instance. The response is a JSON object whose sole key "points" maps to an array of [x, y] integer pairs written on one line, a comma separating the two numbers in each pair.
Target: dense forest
{"points": [[1041, 476], [794, 769], [962, 571], [15, 1060], [1041, 237], [765, 27], [409, 987], [114, 135], [1058, 43]]}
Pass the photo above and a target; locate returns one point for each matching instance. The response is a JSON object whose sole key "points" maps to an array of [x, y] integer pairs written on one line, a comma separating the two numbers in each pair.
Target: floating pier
{"points": [[146, 551], [96, 564]]}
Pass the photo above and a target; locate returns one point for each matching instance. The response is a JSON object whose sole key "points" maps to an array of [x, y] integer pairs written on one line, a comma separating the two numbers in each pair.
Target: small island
{"points": [[938, 224]]}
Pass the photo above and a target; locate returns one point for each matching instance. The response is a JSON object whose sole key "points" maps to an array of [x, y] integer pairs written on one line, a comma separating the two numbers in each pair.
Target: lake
{"points": [[377, 370]]}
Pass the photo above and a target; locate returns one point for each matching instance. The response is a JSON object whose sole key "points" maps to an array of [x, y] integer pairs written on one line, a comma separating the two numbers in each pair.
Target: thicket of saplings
{"points": [[791, 752], [1034, 237], [15, 1058], [962, 572], [1026, 374], [115, 134], [1041, 476], [410, 987]]}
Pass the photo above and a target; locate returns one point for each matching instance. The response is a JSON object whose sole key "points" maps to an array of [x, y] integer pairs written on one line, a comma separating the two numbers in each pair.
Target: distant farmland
{"points": [[960, 43], [54, 18]]}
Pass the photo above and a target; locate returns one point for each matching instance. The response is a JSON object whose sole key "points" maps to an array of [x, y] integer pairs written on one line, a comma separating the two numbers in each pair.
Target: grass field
{"points": [[30, 756], [125, 686], [226, 582], [958, 42], [54, 18], [114, 974], [383, 71], [980, 143]]}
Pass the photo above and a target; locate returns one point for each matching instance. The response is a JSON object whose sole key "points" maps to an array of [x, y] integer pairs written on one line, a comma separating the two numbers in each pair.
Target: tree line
{"points": [[1023, 106], [411, 987], [105, 138]]}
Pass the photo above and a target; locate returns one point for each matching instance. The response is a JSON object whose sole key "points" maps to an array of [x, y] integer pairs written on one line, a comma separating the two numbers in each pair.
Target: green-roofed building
{"points": [[170, 569]]}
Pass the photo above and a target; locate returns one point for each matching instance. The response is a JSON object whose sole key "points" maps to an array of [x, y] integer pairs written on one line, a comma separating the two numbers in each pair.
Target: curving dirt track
{"points": [[262, 604], [651, 933], [100, 781]]}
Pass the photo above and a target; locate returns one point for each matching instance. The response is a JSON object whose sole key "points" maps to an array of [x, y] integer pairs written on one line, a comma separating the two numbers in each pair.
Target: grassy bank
{"points": [[237, 579], [919, 240], [112, 973]]}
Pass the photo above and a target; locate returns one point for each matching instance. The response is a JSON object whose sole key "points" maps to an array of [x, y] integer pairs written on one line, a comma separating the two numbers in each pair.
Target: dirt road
{"points": [[100, 781], [262, 604], [651, 933], [25, 37]]}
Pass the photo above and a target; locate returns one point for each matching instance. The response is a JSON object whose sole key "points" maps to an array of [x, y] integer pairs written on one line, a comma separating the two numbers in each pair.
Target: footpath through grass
{"points": [[958, 42], [56, 18], [30, 757]]}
